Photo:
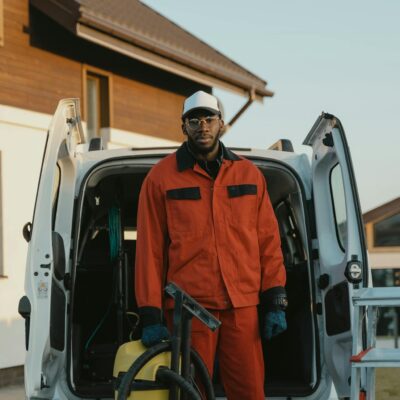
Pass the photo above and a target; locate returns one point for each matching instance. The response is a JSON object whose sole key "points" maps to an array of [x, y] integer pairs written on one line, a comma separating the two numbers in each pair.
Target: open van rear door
{"points": [[340, 242], [49, 242]]}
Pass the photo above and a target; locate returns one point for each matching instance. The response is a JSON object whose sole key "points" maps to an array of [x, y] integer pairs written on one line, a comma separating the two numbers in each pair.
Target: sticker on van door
{"points": [[43, 290]]}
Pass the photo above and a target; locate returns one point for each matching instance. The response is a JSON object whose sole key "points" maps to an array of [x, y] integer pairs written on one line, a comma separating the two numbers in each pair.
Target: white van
{"points": [[80, 301]]}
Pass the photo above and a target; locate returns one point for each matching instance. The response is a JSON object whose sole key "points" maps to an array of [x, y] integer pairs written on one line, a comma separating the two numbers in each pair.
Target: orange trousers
{"points": [[237, 344]]}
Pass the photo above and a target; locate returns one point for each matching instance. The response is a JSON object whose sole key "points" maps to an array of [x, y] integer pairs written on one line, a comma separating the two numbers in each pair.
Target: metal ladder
{"points": [[364, 362]]}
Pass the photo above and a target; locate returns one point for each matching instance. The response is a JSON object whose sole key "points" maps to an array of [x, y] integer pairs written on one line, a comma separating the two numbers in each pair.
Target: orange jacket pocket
{"points": [[243, 201], [184, 211]]}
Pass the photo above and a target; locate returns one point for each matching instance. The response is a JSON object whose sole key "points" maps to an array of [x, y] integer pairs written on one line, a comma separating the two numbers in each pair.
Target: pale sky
{"points": [[341, 57]]}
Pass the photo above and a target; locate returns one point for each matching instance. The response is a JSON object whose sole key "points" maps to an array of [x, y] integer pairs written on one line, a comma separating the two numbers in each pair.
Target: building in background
{"points": [[131, 68], [382, 226]]}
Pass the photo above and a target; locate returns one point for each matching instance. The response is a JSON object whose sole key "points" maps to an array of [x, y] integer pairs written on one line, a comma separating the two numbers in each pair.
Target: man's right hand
{"points": [[153, 334]]}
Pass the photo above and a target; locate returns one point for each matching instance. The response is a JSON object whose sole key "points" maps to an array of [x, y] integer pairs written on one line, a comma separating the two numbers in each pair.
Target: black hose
{"points": [[166, 375], [203, 374], [143, 359]]}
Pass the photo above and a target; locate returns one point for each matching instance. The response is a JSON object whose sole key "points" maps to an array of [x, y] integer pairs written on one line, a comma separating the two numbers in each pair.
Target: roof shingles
{"points": [[138, 24]]}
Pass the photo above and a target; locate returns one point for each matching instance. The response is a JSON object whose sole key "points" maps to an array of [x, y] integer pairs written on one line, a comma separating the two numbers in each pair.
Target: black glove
{"points": [[153, 331], [274, 303]]}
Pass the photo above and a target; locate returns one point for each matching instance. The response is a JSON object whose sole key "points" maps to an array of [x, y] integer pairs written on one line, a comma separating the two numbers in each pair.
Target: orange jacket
{"points": [[216, 239]]}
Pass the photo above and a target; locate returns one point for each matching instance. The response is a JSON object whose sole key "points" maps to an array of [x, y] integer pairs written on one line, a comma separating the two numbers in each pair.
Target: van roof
{"points": [[102, 155]]}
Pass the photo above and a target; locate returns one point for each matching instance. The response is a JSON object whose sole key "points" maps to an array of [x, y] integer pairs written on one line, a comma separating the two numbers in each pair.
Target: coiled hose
{"points": [[201, 369], [167, 376], [114, 233]]}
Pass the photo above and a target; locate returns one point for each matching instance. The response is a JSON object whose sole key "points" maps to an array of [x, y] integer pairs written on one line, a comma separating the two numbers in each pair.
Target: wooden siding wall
{"points": [[41, 63], [31, 78], [146, 109]]}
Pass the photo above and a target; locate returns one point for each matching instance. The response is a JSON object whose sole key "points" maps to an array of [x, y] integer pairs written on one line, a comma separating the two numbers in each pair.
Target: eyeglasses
{"points": [[195, 123]]}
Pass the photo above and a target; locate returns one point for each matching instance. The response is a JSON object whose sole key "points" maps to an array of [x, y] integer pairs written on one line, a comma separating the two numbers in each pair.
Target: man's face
{"points": [[203, 130]]}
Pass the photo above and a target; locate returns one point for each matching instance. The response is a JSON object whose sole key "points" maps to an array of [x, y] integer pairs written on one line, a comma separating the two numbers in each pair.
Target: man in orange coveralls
{"points": [[205, 222]]}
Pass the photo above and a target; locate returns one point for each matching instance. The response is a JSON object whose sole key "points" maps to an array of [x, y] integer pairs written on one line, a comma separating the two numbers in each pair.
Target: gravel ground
{"points": [[12, 393], [387, 387], [387, 384]]}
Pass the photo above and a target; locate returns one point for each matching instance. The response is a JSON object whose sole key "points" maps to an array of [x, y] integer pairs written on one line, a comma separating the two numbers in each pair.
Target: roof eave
{"points": [[64, 12], [165, 63], [81, 22], [382, 211]]}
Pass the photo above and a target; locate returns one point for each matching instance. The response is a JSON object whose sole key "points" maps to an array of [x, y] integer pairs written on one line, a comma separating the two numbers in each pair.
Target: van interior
{"points": [[103, 308]]}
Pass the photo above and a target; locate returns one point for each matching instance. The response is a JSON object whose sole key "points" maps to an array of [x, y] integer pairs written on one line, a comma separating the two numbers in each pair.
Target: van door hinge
{"points": [[328, 140], [311, 218], [318, 308], [73, 121], [323, 281], [27, 231], [43, 382]]}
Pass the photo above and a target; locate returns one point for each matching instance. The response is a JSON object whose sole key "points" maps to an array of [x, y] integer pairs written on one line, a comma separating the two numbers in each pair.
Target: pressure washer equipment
{"points": [[163, 370], [119, 261]]}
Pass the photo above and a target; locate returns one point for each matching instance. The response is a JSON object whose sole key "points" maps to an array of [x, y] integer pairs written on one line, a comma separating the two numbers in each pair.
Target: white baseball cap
{"points": [[201, 100]]}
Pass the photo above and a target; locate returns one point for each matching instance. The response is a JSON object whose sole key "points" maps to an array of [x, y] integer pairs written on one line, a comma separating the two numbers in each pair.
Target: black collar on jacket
{"points": [[185, 159]]}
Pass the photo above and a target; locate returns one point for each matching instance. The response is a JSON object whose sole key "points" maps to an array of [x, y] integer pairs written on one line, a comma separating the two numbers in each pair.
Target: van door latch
{"points": [[354, 271]]}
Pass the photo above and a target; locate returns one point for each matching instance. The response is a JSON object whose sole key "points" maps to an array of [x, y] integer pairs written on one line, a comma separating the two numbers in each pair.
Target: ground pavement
{"points": [[17, 392]]}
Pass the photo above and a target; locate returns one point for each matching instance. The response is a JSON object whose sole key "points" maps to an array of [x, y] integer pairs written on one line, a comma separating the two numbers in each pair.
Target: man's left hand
{"points": [[274, 324]]}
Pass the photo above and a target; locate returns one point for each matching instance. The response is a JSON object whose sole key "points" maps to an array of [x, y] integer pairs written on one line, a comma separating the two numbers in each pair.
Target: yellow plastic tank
{"points": [[127, 355]]}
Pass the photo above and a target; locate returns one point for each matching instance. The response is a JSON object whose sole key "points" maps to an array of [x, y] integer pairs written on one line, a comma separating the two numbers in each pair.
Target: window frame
{"points": [[96, 79], [369, 228], [98, 73], [2, 266]]}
